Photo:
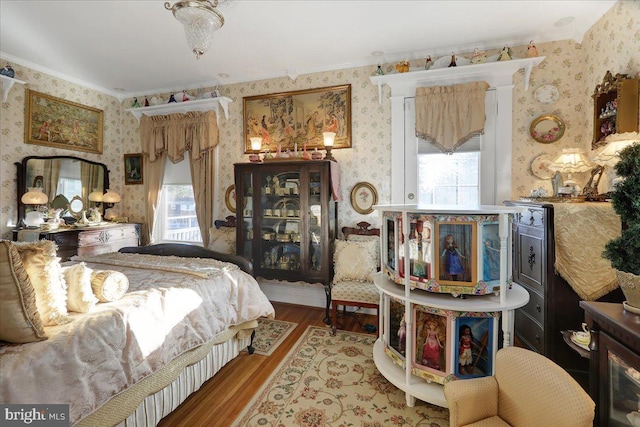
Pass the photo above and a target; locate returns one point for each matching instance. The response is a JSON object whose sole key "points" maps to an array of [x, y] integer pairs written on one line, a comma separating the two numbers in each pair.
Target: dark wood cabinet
{"points": [[287, 219], [89, 241], [553, 305], [614, 382], [615, 107]]}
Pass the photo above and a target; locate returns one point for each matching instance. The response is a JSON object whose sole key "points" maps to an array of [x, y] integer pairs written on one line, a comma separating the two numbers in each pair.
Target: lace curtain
{"points": [[171, 135], [449, 116]]}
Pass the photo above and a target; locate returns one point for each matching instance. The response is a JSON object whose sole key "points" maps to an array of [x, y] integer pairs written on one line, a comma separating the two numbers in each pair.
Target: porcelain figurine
{"points": [[146, 101], [505, 54], [428, 63], [185, 96], [172, 98], [453, 60], [7, 71], [402, 67], [532, 51], [379, 71], [135, 104], [478, 57]]}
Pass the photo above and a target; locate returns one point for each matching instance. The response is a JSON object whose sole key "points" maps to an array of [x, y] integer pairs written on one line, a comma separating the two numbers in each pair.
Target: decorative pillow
{"points": [[19, 318], [367, 238], [45, 273], [109, 285], [80, 297], [222, 240], [355, 261]]}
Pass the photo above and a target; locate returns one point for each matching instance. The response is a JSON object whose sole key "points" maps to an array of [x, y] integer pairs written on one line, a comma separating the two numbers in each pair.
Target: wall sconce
{"points": [[109, 199], [34, 197], [256, 146], [329, 139], [571, 160]]}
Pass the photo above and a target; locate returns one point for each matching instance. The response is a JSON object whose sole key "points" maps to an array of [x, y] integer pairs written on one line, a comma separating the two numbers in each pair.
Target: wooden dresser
{"points": [[553, 305], [91, 240]]}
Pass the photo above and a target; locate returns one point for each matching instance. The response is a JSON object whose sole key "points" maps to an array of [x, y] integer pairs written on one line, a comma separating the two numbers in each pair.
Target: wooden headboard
{"points": [[362, 229]]}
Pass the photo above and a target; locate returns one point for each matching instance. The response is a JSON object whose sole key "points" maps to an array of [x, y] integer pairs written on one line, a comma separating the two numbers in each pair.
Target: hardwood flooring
{"points": [[223, 397]]}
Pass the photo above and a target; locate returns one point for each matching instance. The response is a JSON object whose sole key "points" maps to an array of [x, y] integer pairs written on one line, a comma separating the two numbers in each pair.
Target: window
{"points": [[448, 179], [176, 216]]}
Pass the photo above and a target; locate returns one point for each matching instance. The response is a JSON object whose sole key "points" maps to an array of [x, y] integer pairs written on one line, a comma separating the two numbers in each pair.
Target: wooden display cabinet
{"points": [[287, 219], [615, 107]]}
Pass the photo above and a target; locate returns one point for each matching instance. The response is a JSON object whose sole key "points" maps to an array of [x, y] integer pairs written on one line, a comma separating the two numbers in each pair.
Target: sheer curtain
{"points": [[449, 116], [170, 136]]}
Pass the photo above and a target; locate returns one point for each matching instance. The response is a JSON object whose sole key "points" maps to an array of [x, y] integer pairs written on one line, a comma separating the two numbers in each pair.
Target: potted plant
{"points": [[624, 251]]}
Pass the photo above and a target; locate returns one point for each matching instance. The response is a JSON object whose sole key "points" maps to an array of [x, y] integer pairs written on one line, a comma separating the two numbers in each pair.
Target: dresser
{"points": [[91, 240], [553, 305]]}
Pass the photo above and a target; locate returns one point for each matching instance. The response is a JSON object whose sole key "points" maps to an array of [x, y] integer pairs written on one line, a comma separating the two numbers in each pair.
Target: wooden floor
{"points": [[223, 397]]}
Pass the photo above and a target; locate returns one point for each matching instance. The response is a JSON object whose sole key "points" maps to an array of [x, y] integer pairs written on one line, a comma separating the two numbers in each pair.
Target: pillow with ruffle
{"points": [[355, 261], [80, 297], [109, 285], [19, 318], [222, 240], [45, 272], [367, 238]]}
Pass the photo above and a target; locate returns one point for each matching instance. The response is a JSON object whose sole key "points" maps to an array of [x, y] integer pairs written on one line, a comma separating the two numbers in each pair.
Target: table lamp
{"points": [[34, 197], [570, 160], [109, 199], [329, 139], [256, 146], [96, 196]]}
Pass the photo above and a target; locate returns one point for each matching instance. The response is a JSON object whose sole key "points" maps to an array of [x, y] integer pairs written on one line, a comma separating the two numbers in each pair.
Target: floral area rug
{"points": [[332, 381], [270, 334]]}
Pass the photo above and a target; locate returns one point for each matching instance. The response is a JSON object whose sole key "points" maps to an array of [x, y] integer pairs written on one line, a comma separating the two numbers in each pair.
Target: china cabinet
{"points": [[287, 219], [615, 107], [438, 322]]}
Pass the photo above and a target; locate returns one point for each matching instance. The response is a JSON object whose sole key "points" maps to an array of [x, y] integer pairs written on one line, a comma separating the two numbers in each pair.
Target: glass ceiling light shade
{"points": [[34, 196], [609, 155], [200, 19]]}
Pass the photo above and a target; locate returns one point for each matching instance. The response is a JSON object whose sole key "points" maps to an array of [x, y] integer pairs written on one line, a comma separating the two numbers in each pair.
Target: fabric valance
{"points": [[174, 134], [448, 116]]}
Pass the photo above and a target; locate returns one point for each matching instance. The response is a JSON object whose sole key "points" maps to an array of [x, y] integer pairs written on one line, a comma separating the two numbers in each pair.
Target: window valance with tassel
{"points": [[196, 132], [449, 116]]}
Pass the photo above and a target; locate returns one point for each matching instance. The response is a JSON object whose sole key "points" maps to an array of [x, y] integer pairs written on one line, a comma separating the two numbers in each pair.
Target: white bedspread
{"points": [[101, 353]]}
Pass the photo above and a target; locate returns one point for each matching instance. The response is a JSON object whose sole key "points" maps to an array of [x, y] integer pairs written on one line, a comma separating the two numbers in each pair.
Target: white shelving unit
{"points": [[7, 84], [509, 298], [184, 107]]}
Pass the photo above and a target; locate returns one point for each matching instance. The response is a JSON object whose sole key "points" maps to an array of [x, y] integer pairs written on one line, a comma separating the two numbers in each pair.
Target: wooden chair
{"points": [[350, 289]]}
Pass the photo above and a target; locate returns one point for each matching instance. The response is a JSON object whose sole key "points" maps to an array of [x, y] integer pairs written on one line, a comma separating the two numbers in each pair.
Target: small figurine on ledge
{"points": [[172, 98], [453, 60], [532, 51], [135, 104], [402, 67], [7, 71], [505, 54], [479, 57], [429, 63], [379, 71], [146, 101]]}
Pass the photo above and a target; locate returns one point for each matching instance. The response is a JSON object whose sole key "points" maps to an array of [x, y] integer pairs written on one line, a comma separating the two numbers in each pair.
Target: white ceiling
{"points": [[127, 48]]}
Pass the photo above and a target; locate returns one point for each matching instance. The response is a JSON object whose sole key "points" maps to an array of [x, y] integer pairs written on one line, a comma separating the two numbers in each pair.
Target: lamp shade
{"points": [[609, 155], [256, 143], [571, 160], [329, 138], [111, 197], [95, 196], [34, 196]]}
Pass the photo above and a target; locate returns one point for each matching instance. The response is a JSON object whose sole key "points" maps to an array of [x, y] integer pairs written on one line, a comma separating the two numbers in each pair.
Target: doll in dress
{"points": [[402, 336], [465, 355], [452, 258], [432, 346]]}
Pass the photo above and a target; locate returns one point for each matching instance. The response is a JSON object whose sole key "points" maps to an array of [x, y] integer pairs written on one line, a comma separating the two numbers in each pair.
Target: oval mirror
{"points": [[547, 129], [76, 207]]}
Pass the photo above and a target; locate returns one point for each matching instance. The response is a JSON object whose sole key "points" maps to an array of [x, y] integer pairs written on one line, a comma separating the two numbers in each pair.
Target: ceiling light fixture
{"points": [[200, 20], [564, 21]]}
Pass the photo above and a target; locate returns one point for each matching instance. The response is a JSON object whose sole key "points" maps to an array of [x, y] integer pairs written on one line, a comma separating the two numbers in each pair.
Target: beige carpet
{"points": [[333, 381], [270, 334]]}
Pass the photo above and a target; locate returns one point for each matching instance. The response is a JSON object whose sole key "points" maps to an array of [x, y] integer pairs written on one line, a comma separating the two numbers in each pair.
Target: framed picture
{"points": [[474, 346], [230, 198], [133, 168], [432, 343], [397, 330], [291, 120], [363, 197], [490, 249], [55, 122], [456, 253]]}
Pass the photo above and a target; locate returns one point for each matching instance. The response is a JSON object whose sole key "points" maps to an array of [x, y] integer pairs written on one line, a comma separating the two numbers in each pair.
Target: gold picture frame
{"points": [[230, 198], [298, 119], [56, 122], [547, 129], [363, 197]]}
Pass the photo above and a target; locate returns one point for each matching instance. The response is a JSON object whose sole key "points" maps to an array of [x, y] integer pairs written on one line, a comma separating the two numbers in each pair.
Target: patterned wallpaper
{"points": [[612, 43]]}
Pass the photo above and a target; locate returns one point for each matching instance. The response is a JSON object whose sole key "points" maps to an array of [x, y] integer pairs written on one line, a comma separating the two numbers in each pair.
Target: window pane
{"points": [[179, 222], [450, 179]]}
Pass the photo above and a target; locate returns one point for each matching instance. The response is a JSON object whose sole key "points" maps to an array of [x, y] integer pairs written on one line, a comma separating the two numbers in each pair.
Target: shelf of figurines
{"points": [[493, 71], [7, 84], [201, 105]]}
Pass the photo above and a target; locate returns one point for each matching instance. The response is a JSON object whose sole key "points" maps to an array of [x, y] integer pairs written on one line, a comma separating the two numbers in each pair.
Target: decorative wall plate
{"points": [[546, 94], [363, 197], [230, 198], [540, 166]]}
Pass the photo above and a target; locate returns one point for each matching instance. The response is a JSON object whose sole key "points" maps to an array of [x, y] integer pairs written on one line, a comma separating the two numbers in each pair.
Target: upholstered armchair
{"points": [[356, 261], [527, 390]]}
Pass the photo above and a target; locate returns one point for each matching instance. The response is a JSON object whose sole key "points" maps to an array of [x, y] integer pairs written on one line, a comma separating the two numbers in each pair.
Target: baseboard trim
{"points": [[300, 293]]}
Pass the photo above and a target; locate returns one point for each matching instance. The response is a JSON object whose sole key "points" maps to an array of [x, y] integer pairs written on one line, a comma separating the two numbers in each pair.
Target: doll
{"points": [[452, 258], [432, 346]]}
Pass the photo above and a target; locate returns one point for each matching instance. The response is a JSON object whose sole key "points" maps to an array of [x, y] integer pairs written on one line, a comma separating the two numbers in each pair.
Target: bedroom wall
{"points": [[612, 43]]}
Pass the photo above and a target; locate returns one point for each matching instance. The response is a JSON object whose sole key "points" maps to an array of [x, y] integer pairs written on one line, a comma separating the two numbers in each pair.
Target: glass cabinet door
{"points": [[279, 219], [315, 221], [245, 206]]}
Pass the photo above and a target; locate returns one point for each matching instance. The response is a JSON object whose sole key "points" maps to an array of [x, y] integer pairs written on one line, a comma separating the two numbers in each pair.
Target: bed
{"points": [[111, 367]]}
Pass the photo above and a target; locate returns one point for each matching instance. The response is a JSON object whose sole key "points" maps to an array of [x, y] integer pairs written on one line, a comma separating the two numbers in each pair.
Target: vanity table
{"points": [[90, 240]]}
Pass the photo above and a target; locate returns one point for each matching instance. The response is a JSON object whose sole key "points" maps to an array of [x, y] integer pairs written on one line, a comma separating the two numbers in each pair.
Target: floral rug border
{"points": [[270, 334]]}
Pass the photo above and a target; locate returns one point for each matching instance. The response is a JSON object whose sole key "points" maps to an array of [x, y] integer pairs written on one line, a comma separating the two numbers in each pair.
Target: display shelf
{"points": [[7, 84], [415, 388], [494, 73], [184, 107]]}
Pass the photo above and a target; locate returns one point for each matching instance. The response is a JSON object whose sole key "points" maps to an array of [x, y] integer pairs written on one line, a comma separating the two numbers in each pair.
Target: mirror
{"points": [[62, 178], [547, 129], [76, 207]]}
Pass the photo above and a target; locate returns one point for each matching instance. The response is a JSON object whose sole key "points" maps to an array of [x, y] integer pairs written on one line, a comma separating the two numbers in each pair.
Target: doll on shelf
{"points": [[452, 258]]}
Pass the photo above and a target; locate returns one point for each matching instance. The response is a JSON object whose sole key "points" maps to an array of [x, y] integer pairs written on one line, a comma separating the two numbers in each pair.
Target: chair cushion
{"points": [[355, 261], [354, 291], [222, 240], [367, 238], [495, 421]]}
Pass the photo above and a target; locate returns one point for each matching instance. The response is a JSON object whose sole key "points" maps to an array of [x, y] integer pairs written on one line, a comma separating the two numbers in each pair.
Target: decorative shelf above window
{"points": [[184, 107], [7, 84], [494, 73]]}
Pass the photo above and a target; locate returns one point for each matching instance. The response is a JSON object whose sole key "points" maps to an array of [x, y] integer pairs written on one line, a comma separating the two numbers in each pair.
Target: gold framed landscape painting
{"points": [[56, 122], [297, 119]]}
